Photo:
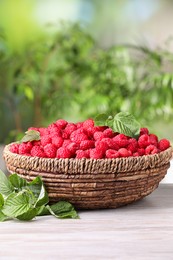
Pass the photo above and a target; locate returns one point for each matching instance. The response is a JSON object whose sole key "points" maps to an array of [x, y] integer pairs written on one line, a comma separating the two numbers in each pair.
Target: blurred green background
{"points": [[73, 59]]}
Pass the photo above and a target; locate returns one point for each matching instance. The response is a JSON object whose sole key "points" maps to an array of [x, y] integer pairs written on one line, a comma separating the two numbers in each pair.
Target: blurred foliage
{"points": [[67, 75]]}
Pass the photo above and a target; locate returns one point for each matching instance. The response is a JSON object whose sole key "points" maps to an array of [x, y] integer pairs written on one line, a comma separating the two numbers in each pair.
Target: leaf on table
{"points": [[17, 182], [5, 186], [63, 209], [29, 215], [16, 204]]}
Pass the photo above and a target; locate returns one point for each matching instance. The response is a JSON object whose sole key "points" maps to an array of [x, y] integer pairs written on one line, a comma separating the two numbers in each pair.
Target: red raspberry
{"points": [[121, 140], [14, 148], [153, 139], [57, 133], [66, 142], [78, 136], [88, 123], [143, 141], [72, 147], [33, 128], [57, 141], [111, 143], [38, 143], [37, 151], [144, 131], [43, 131], [61, 123], [163, 144], [136, 154], [151, 149], [63, 152], [45, 139], [25, 148], [123, 152], [108, 133], [50, 150], [133, 145], [79, 125], [82, 154], [53, 128], [96, 154], [102, 146], [112, 154], [87, 144], [70, 127], [141, 151], [98, 135]]}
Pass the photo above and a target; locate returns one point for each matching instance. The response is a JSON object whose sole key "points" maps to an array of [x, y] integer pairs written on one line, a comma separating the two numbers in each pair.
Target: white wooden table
{"points": [[142, 230]]}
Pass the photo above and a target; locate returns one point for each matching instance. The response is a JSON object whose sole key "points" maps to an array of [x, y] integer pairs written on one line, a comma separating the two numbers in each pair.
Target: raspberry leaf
{"points": [[17, 182], [31, 135], [30, 214], [126, 124], [5, 186], [62, 209], [101, 119]]}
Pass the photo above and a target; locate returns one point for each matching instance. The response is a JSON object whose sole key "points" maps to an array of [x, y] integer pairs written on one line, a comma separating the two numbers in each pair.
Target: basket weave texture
{"points": [[93, 183]]}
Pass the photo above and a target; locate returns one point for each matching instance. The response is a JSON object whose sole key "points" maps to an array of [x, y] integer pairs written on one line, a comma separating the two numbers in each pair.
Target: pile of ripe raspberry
{"points": [[85, 140]]}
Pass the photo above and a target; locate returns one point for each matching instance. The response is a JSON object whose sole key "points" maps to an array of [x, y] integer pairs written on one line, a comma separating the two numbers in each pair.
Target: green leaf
{"points": [[38, 188], [17, 181], [1, 201], [16, 204], [31, 135], [62, 209], [29, 215], [3, 217], [5, 186], [126, 124], [42, 211], [42, 198], [101, 119]]}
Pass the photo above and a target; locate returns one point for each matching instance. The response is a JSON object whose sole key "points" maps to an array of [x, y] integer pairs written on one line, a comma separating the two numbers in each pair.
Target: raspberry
{"points": [[61, 123], [50, 150], [102, 145], [87, 144], [136, 154], [38, 143], [70, 127], [163, 144], [111, 143], [63, 152], [43, 131], [144, 131], [33, 128], [123, 152], [14, 148], [112, 154], [57, 141], [79, 125], [98, 135], [96, 154], [82, 154], [121, 140], [37, 151], [133, 145], [66, 142], [143, 141], [88, 123], [53, 128], [78, 136], [57, 133], [141, 151], [45, 139], [108, 133], [72, 147], [25, 148], [153, 139], [151, 149]]}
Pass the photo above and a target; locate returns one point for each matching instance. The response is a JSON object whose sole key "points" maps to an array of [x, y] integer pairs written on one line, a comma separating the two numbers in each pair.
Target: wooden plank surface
{"points": [[142, 230]]}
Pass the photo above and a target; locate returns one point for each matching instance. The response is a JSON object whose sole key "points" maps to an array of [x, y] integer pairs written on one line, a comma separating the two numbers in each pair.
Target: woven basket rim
{"points": [[168, 152]]}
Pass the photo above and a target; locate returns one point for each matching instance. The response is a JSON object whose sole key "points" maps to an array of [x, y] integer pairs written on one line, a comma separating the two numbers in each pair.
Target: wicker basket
{"points": [[91, 183]]}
